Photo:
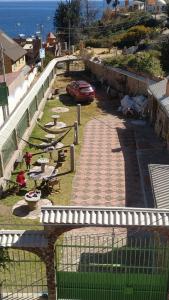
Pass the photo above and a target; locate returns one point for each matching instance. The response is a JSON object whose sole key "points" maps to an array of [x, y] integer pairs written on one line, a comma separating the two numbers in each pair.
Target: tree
{"points": [[115, 3], [67, 20], [88, 12], [48, 57]]}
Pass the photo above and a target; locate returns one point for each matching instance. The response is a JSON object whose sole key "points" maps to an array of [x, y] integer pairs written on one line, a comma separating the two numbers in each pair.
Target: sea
{"points": [[29, 17]]}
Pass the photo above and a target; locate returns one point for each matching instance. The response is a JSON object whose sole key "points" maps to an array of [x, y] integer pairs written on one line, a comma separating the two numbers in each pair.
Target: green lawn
{"points": [[63, 198]]}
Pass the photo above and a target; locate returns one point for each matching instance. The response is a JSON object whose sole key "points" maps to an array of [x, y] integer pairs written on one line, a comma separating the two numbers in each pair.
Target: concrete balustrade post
{"points": [[72, 158], [36, 100], [1, 166], [43, 93], [76, 133], [48, 81], [67, 67], [16, 139], [79, 114], [28, 117], [65, 44]]}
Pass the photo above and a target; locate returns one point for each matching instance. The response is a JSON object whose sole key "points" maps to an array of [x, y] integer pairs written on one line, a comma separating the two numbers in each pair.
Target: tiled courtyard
{"points": [[107, 171]]}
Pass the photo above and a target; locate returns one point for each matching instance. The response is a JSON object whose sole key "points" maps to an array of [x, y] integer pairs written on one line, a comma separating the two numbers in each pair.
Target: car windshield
{"points": [[86, 89]]}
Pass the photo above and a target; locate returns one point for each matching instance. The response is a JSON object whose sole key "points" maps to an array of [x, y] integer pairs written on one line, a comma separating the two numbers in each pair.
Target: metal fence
{"points": [[109, 268], [24, 276]]}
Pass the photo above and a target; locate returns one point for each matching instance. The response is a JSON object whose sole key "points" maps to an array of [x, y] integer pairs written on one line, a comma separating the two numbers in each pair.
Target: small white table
{"points": [[57, 126], [55, 119], [43, 162], [60, 109], [32, 199], [50, 137]]}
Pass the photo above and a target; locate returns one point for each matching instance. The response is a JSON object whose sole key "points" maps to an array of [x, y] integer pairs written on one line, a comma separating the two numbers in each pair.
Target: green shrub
{"points": [[132, 36], [144, 62], [121, 61], [48, 57], [147, 63], [96, 43]]}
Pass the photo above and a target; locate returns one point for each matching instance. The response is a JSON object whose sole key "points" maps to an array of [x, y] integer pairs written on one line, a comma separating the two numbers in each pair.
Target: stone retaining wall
{"points": [[122, 82]]}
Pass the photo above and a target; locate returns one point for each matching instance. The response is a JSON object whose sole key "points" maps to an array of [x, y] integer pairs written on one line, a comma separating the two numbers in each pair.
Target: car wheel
{"points": [[67, 91]]}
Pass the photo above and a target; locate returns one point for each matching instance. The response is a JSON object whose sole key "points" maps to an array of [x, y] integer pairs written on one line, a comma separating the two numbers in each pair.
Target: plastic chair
{"points": [[53, 185]]}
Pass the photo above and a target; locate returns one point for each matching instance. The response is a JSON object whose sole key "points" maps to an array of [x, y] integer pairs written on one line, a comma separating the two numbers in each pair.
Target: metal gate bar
{"points": [[105, 267], [24, 276]]}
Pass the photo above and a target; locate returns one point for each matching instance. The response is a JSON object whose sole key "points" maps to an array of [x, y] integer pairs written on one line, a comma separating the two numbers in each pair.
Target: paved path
{"points": [[107, 172]]}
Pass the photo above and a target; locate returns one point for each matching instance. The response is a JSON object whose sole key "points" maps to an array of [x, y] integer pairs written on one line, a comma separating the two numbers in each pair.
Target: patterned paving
{"points": [[107, 172]]}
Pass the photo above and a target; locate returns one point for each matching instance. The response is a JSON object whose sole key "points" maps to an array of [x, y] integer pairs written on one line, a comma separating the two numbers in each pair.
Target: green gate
{"points": [[99, 267], [24, 276]]}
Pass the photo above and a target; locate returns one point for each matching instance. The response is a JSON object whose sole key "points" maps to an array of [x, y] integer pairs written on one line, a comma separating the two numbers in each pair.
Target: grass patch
{"points": [[63, 198]]}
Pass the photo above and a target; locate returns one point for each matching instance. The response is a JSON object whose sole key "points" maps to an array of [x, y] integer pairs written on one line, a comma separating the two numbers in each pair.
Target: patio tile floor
{"points": [[107, 171]]}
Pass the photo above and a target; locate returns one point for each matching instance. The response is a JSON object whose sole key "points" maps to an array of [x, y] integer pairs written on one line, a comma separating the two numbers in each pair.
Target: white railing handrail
{"points": [[12, 122]]}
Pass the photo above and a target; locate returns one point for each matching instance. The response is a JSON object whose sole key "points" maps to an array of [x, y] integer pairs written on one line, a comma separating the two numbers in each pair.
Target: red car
{"points": [[80, 90]]}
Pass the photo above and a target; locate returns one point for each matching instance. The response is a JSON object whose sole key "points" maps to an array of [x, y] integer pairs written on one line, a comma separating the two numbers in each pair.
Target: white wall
{"points": [[17, 90]]}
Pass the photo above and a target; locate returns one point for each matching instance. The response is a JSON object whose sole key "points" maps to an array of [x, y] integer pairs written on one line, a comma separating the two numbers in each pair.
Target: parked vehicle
{"points": [[81, 90]]}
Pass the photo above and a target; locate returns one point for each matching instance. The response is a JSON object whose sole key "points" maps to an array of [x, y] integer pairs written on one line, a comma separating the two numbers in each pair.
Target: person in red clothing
{"points": [[28, 157], [20, 179]]}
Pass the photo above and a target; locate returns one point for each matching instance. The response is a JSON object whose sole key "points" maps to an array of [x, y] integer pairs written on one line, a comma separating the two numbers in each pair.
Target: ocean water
{"points": [[27, 17]]}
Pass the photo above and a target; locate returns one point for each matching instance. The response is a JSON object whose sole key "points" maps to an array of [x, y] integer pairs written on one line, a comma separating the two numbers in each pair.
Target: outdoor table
{"points": [[32, 198], [43, 162], [57, 126], [36, 173], [59, 145], [50, 136], [55, 119], [51, 148], [60, 109]]}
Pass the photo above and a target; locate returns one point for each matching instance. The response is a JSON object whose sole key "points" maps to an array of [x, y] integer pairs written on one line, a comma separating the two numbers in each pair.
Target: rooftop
{"points": [[11, 48], [10, 77], [159, 175], [158, 90], [51, 35]]}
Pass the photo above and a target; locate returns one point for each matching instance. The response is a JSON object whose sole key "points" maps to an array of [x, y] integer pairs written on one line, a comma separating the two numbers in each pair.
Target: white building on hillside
{"points": [[137, 5], [153, 6], [156, 6]]}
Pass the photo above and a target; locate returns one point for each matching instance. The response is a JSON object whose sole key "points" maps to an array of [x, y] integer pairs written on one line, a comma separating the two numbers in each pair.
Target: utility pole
{"points": [[69, 34], [5, 108], [41, 44], [69, 24]]}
